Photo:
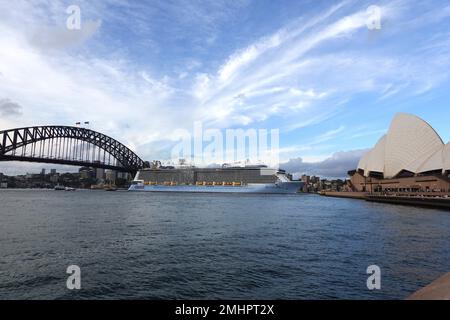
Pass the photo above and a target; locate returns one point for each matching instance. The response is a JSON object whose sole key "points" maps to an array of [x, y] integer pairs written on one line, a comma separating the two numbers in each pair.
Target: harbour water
{"points": [[215, 246]]}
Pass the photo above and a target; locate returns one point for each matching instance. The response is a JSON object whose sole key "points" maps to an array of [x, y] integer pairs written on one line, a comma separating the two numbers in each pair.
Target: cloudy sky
{"points": [[312, 69]]}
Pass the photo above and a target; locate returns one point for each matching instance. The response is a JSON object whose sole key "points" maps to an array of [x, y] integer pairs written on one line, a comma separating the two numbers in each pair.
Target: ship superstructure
{"points": [[251, 179]]}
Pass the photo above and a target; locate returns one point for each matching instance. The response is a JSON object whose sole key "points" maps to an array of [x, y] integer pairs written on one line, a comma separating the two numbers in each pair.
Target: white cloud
{"points": [[266, 74], [57, 38], [335, 166], [9, 108]]}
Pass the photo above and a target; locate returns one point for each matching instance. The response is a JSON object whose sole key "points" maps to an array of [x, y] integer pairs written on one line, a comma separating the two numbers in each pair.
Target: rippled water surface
{"points": [[199, 246]]}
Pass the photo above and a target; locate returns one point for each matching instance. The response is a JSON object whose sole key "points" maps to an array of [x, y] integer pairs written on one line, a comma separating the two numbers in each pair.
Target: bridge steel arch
{"points": [[13, 139]]}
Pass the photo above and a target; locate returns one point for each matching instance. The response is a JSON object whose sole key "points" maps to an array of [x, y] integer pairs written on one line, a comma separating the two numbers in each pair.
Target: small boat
{"points": [[69, 189], [110, 187], [59, 188]]}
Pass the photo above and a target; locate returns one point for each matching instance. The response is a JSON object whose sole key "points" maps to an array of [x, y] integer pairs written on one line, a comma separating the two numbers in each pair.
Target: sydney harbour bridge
{"points": [[69, 146]]}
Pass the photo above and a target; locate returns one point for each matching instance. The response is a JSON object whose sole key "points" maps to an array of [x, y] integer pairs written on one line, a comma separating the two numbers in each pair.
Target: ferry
{"points": [[59, 187]]}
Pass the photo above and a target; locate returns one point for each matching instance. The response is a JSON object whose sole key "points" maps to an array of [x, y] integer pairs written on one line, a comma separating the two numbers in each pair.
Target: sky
{"points": [[312, 69]]}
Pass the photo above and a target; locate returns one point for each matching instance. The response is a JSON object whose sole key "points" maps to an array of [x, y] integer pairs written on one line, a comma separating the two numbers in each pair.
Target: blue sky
{"points": [[138, 71]]}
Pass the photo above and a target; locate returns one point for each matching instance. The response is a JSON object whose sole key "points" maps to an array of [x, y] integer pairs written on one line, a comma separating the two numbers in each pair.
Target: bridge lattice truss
{"points": [[67, 145]]}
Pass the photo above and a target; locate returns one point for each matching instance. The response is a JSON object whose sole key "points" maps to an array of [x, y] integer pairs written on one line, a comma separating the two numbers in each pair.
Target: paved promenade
{"points": [[437, 290]]}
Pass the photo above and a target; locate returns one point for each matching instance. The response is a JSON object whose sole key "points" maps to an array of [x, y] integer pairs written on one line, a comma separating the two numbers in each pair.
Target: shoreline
{"points": [[439, 289], [438, 201]]}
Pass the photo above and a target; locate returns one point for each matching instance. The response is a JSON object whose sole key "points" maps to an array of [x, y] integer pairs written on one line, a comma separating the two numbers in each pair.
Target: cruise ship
{"points": [[248, 179]]}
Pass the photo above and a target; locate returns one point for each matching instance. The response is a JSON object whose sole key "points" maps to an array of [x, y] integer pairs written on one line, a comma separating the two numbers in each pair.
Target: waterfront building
{"points": [[54, 178], [3, 183], [110, 176], [123, 175], [410, 157], [305, 178], [86, 173], [100, 174]]}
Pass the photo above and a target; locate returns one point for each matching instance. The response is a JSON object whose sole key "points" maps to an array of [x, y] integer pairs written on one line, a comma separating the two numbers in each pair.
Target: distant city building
{"points": [[123, 175], [52, 171], [305, 179], [85, 178], [314, 184], [3, 183], [100, 174], [43, 172], [86, 173], [54, 178], [111, 176], [411, 157]]}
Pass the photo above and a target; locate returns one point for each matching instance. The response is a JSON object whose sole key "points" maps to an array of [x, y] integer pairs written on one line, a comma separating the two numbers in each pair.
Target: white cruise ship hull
{"points": [[290, 187]]}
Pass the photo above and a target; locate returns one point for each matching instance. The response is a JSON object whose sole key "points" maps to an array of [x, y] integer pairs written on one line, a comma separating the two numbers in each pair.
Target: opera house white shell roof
{"points": [[411, 144]]}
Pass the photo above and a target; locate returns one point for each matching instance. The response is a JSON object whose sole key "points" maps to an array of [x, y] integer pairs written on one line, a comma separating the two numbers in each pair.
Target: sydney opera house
{"points": [[411, 157]]}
